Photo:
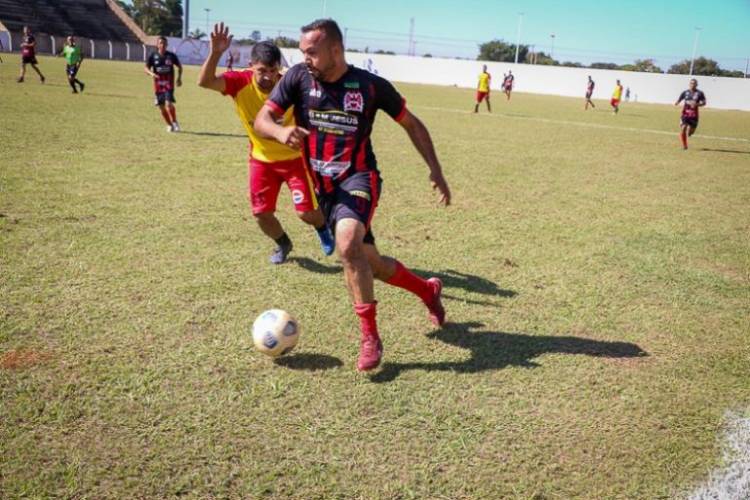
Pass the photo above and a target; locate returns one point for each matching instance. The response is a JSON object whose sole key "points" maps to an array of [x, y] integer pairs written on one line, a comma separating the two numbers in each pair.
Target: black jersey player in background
{"points": [[160, 66], [28, 55], [693, 99], [335, 106]]}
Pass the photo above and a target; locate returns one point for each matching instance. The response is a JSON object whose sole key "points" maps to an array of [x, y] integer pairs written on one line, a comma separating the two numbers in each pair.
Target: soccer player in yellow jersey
{"points": [[616, 96], [271, 163], [483, 89]]}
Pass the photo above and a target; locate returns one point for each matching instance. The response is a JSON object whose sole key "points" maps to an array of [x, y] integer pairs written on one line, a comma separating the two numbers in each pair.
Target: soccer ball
{"points": [[275, 332]]}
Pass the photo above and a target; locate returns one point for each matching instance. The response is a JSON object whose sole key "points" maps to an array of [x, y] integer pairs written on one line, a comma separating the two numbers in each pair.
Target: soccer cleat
{"points": [[370, 353], [175, 127], [82, 86], [327, 244], [435, 305], [170, 129], [19, 79], [280, 254], [42, 79]]}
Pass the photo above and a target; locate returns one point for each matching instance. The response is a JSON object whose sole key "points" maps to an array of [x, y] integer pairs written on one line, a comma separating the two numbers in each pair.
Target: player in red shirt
{"points": [[335, 106], [693, 99], [28, 55], [160, 66]]}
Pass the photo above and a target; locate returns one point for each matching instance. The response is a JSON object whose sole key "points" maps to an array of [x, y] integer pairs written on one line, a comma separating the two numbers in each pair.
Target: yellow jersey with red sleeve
{"points": [[484, 82], [249, 99], [617, 94]]}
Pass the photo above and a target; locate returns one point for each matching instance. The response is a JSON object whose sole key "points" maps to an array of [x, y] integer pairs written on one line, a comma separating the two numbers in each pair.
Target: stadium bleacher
{"points": [[84, 18]]}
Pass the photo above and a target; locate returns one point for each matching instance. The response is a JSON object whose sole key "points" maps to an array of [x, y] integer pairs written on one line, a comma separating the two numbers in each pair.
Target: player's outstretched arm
{"points": [[422, 141], [266, 125], [220, 42]]}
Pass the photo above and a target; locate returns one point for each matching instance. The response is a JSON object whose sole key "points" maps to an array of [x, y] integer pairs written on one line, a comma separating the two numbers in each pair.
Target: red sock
{"points": [[403, 278], [367, 323], [166, 116], [683, 136], [173, 113]]}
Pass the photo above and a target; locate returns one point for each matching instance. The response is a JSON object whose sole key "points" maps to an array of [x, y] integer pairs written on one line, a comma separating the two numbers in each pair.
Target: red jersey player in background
{"points": [[335, 106], [693, 99], [160, 66], [270, 164], [28, 54], [589, 93]]}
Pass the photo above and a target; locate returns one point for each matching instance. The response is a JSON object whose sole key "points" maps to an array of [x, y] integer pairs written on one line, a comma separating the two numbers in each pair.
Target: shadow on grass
{"points": [[497, 350], [309, 361], [449, 277], [738, 151], [212, 134]]}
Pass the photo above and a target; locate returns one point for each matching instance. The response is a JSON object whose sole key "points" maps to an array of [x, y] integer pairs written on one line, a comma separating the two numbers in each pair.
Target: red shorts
{"points": [[481, 96], [614, 102], [265, 180]]}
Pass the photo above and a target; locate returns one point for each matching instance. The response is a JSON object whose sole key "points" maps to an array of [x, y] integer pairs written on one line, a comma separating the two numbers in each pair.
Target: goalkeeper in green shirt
{"points": [[73, 57]]}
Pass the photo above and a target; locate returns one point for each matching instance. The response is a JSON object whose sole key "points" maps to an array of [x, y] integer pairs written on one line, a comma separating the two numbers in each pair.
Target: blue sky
{"points": [[585, 30]]}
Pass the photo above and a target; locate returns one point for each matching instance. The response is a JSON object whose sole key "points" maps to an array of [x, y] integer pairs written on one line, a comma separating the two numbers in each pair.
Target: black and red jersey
{"points": [[339, 116], [590, 86], [27, 46], [163, 66], [692, 99]]}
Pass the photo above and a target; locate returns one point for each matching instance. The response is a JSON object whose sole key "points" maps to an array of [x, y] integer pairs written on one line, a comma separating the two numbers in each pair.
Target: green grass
{"points": [[598, 284]]}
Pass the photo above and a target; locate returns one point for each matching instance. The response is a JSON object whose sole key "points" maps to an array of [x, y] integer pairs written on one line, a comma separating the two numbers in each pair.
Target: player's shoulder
{"points": [[365, 76], [297, 72]]}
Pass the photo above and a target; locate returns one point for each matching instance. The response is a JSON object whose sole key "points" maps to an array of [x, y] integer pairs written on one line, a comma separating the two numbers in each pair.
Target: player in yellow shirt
{"points": [[616, 96], [483, 89], [271, 163]]}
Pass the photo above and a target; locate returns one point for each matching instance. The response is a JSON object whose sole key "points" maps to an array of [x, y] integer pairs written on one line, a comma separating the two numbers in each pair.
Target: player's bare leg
{"points": [[38, 72], [315, 219], [489, 109], [359, 281], [22, 75], [165, 115], [271, 227], [393, 272]]}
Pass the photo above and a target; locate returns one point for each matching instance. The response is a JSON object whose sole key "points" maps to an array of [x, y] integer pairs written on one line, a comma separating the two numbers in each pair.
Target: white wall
{"points": [[722, 93]]}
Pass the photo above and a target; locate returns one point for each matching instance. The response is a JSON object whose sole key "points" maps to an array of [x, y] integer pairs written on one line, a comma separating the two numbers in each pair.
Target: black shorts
{"points": [[163, 97], [356, 197], [588, 95], [690, 121], [29, 60], [71, 70]]}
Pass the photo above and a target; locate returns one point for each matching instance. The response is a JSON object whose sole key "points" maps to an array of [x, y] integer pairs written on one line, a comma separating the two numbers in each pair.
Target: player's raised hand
{"points": [[293, 137], [220, 38], [439, 183]]}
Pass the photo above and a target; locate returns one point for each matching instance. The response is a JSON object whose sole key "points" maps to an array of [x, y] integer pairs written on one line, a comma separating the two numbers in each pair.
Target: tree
{"points": [[387, 52], [285, 42], [571, 64], [427, 55], [196, 34], [256, 36], [545, 59], [643, 65], [498, 50], [702, 66], [603, 65], [156, 17]]}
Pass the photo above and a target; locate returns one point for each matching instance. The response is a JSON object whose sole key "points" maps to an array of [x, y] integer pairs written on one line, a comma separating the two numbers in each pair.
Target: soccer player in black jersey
{"points": [[335, 106], [160, 66], [693, 99]]}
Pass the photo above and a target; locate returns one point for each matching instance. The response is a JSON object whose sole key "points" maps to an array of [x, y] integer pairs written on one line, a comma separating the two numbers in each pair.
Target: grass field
{"points": [[598, 296]]}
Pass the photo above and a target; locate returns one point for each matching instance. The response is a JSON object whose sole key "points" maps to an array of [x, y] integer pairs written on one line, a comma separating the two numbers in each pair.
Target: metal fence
{"points": [[93, 49]]}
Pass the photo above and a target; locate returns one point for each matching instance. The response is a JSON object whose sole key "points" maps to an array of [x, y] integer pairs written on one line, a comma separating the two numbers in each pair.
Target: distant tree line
{"points": [[156, 17], [498, 50]]}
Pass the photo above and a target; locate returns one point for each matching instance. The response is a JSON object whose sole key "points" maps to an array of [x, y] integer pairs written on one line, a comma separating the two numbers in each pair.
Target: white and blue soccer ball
{"points": [[275, 332]]}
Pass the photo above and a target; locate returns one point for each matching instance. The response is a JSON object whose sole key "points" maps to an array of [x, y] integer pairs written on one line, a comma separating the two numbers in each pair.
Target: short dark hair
{"points": [[163, 39], [265, 53], [328, 26]]}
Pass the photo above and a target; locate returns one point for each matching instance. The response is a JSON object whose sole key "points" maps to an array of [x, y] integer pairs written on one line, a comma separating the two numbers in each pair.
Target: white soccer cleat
{"points": [[175, 127], [169, 128]]}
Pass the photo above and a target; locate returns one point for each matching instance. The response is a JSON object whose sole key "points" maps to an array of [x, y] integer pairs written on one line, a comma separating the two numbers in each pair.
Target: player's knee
{"points": [[262, 217], [310, 217], [349, 246]]}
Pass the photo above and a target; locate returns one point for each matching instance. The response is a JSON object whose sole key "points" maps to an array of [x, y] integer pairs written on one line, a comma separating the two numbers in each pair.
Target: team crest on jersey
{"points": [[353, 101]]}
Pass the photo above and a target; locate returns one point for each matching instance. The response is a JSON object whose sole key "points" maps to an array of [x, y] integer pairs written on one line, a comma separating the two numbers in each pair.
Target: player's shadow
{"points": [[212, 134], [738, 151], [309, 361], [497, 350], [449, 277]]}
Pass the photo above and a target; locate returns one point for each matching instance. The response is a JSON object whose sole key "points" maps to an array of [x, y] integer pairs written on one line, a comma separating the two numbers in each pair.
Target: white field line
{"points": [[733, 481], [580, 124]]}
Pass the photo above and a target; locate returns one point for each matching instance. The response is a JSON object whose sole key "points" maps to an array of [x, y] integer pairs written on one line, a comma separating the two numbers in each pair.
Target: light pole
{"points": [[518, 38], [207, 11], [695, 47], [552, 50]]}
